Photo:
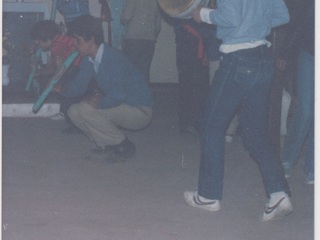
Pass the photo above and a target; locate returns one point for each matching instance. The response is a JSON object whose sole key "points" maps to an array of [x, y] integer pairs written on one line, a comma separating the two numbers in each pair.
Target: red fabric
{"points": [[196, 34], [62, 46]]}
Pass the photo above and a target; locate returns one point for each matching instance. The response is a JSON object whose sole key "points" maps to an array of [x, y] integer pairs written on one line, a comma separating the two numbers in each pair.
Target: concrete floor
{"points": [[54, 189]]}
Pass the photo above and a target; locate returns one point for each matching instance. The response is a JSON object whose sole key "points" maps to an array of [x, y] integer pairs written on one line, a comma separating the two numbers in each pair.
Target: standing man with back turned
{"points": [[242, 80]]}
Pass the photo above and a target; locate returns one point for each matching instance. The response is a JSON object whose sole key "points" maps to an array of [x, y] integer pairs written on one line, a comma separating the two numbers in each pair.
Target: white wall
{"points": [[163, 68]]}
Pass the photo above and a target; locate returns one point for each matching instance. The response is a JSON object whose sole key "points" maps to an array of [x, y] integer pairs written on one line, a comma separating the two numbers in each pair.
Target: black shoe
{"points": [[125, 149], [101, 150], [119, 152], [71, 130]]}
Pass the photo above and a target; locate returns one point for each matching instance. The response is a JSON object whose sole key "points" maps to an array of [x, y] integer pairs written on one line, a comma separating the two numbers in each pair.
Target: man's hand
{"points": [[58, 62], [58, 88], [196, 14], [94, 99], [46, 71]]}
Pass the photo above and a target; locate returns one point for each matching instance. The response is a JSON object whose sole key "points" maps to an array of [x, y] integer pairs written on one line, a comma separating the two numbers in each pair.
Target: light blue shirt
{"points": [[245, 21]]}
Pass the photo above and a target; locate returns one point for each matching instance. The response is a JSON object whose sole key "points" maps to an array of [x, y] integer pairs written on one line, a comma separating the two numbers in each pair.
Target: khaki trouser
{"points": [[102, 125]]}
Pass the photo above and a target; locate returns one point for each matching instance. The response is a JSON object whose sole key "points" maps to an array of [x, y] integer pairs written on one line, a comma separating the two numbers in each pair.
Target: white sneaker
{"points": [[58, 117], [310, 178], [310, 182], [193, 199], [228, 138], [280, 209]]}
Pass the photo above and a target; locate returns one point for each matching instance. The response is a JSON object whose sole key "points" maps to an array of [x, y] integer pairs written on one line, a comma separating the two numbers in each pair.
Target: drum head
{"points": [[181, 8], [175, 7]]}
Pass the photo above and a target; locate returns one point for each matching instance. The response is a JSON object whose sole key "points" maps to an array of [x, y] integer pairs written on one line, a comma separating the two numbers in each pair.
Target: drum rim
{"points": [[178, 12]]}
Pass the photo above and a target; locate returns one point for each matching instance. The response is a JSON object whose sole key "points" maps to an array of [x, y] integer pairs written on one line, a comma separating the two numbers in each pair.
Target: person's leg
{"points": [[98, 129], [65, 104], [224, 98], [193, 79], [116, 7], [140, 52], [309, 159], [128, 47], [129, 117], [199, 92], [147, 48], [309, 87], [213, 67], [102, 125], [253, 117], [219, 111], [184, 59], [303, 114]]}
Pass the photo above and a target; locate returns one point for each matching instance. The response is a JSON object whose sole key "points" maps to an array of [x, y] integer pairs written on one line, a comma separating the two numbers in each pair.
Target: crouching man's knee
{"points": [[74, 111]]}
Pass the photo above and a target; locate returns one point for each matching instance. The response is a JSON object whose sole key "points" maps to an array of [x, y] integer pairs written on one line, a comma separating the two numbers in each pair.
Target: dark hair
{"points": [[88, 27], [44, 30]]}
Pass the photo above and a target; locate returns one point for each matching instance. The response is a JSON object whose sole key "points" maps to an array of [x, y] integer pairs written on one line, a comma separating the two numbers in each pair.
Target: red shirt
{"points": [[62, 46]]}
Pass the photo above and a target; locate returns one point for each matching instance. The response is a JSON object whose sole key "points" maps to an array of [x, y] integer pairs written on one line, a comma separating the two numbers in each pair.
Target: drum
{"points": [[181, 8]]}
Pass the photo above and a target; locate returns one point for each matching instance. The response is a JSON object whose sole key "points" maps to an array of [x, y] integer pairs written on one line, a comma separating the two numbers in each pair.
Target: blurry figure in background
{"points": [[301, 123], [72, 9], [48, 37], [105, 15], [142, 25], [193, 72], [111, 10]]}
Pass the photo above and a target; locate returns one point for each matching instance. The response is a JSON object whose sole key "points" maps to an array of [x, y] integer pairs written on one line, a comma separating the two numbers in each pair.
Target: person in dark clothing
{"points": [[71, 10], [142, 24], [193, 73], [301, 123]]}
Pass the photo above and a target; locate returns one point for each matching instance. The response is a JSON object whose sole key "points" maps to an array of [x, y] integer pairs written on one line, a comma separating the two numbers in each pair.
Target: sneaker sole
{"points": [[279, 212], [190, 201]]}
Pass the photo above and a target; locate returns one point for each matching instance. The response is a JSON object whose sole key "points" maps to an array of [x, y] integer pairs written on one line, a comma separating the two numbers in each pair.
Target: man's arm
{"points": [[78, 86], [281, 13], [228, 14]]}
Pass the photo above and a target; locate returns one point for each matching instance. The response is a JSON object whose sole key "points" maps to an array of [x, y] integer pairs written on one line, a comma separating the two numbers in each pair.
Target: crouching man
{"points": [[122, 99]]}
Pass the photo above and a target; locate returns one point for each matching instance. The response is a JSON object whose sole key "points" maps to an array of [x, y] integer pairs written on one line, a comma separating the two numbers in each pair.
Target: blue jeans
{"points": [[301, 125], [241, 83]]}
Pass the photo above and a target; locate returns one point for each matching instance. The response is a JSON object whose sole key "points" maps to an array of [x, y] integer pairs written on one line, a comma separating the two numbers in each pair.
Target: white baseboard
{"points": [[25, 110]]}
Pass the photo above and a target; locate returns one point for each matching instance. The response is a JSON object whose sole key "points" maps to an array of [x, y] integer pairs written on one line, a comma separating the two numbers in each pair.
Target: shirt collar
{"points": [[97, 60]]}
